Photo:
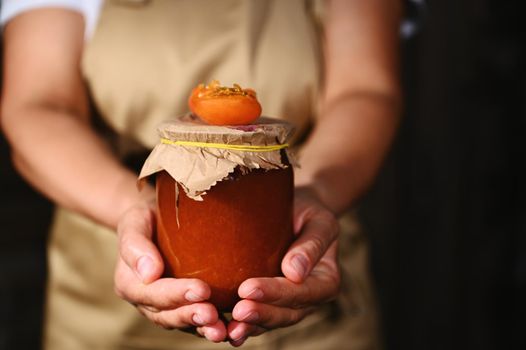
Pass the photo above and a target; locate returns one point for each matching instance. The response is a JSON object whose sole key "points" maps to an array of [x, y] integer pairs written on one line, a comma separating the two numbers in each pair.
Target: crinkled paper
{"points": [[197, 169]]}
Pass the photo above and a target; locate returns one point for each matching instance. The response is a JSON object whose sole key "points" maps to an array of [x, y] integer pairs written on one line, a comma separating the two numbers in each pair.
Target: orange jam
{"points": [[241, 229]]}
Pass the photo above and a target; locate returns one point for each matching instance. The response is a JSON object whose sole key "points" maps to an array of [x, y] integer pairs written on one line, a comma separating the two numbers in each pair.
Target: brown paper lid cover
{"points": [[199, 155]]}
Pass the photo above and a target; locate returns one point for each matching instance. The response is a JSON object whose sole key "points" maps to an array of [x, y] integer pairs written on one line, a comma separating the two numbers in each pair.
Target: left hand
{"points": [[172, 303], [311, 275]]}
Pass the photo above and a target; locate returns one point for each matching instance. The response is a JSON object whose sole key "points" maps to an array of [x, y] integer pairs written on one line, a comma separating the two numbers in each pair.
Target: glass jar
{"points": [[241, 229], [241, 226]]}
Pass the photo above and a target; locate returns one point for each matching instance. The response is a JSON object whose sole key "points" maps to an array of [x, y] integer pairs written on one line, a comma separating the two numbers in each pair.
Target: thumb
{"points": [[319, 229], [135, 244]]}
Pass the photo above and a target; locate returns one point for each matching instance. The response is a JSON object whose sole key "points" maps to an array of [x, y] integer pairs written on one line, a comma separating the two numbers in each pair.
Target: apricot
{"points": [[220, 105]]}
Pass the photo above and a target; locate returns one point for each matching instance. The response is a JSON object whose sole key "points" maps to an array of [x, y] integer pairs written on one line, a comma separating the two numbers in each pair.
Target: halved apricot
{"points": [[220, 105]]}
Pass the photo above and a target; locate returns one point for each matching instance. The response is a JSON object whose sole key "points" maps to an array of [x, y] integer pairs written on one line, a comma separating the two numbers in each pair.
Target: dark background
{"points": [[24, 220], [446, 218]]}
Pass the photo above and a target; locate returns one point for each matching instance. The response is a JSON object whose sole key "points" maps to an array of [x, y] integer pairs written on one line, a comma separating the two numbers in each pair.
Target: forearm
{"points": [[61, 156], [360, 101], [45, 117], [343, 154]]}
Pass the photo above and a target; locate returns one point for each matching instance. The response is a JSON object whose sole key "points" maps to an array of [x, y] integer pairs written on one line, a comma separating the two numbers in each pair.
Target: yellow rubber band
{"points": [[245, 148]]}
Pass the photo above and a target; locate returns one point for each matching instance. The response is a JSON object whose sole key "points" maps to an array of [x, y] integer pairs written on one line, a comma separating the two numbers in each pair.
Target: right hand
{"points": [[171, 303], [311, 275]]}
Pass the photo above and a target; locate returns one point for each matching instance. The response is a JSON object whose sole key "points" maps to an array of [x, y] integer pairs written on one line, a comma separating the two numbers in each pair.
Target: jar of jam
{"points": [[224, 202]]}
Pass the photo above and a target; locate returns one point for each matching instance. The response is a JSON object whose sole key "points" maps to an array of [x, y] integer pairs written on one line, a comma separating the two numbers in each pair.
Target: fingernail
{"points": [[300, 264], [209, 335], [198, 320], [255, 294], [238, 342], [144, 267], [236, 335], [250, 317], [192, 297]]}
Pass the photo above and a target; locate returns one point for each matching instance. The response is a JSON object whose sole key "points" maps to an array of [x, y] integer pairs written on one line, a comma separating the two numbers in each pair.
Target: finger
{"points": [[215, 332], [268, 316], [162, 294], [322, 285], [135, 230], [319, 231], [238, 332], [198, 314]]}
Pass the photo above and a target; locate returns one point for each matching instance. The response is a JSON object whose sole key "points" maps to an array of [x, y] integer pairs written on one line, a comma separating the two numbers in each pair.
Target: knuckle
{"points": [[160, 320], [329, 218], [151, 309], [310, 211], [126, 237], [294, 317], [315, 246], [118, 290], [204, 308], [141, 310], [333, 287], [293, 298], [170, 296], [297, 302], [163, 290]]}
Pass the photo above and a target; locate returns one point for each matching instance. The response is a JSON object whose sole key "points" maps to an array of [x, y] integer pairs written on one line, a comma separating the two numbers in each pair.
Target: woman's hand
{"points": [[311, 275], [168, 302]]}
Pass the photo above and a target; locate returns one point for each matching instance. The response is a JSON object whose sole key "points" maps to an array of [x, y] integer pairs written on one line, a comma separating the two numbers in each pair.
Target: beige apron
{"points": [[140, 66]]}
